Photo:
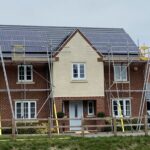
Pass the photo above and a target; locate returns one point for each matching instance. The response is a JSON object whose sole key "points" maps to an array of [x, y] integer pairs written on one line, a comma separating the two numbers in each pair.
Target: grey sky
{"points": [[132, 15]]}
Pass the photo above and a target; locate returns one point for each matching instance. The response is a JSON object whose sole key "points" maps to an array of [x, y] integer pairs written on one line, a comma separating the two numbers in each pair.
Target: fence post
{"points": [[49, 127], [115, 126], [145, 125], [13, 128], [82, 127], [0, 125]]}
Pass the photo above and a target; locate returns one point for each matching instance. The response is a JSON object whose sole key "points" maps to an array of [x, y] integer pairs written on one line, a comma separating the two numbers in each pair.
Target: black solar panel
{"points": [[38, 38]]}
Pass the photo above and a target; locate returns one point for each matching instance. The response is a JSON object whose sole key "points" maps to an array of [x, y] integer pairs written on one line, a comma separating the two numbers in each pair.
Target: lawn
{"points": [[76, 143]]}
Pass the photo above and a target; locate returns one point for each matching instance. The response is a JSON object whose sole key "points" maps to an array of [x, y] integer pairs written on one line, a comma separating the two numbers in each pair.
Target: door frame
{"points": [[148, 111], [77, 101]]}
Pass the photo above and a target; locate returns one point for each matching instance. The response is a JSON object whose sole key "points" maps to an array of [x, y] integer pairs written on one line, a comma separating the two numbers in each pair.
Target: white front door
{"points": [[148, 110], [75, 111]]}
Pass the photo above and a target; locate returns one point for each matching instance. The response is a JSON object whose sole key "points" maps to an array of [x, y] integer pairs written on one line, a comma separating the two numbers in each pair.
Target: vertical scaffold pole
{"points": [[118, 103], [51, 84], [7, 84], [0, 125]]}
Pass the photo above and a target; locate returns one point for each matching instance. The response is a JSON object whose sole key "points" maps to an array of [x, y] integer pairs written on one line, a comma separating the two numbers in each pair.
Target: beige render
{"points": [[78, 50]]}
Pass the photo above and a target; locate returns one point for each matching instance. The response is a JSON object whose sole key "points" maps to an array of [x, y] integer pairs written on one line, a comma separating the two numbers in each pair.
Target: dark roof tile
{"points": [[38, 38]]}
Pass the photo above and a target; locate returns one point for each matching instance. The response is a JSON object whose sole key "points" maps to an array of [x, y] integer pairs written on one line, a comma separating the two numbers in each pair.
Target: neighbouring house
{"points": [[91, 71]]}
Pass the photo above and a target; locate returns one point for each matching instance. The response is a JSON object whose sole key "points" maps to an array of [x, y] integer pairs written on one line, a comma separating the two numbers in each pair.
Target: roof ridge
{"points": [[71, 27]]}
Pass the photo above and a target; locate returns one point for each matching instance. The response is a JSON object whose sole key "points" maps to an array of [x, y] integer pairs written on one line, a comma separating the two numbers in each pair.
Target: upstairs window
{"points": [[25, 73], [78, 71], [120, 72], [25, 109]]}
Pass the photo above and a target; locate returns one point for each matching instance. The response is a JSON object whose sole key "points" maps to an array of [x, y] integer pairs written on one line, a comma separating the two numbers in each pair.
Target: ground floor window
{"points": [[124, 105], [90, 108], [25, 109]]}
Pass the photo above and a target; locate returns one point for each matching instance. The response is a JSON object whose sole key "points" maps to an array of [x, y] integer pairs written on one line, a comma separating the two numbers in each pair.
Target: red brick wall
{"points": [[39, 83], [99, 107], [136, 83], [137, 79], [100, 103]]}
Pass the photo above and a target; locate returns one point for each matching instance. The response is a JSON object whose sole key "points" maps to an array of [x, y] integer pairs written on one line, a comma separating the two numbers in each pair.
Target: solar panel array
{"points": [[37, 39]]}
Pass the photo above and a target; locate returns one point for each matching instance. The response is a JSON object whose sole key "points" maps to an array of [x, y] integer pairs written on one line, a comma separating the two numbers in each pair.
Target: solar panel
{"points": [[38, 38]]}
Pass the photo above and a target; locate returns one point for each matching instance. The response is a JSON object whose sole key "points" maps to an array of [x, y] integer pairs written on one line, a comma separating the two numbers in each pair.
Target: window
{"points": [[120, 72], [90, 108], [76, 110], [25, 109], [78, 71], [63, 107], [25, 73], [147, 94], [125, 106]]}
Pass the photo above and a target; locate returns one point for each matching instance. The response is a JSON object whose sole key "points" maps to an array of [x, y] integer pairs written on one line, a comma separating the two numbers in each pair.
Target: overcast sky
{"points": [[132, 15]]}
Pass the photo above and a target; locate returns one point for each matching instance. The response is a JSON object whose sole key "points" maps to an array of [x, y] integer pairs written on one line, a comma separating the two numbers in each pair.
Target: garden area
{"points": [[75, 143]]}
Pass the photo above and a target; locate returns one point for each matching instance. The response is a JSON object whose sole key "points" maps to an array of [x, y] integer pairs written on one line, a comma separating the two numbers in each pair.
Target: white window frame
{"points": [[29, 109], [124, 107], [78, 67], [63, 107], [120, 72], [25, 73], [91, 114]]}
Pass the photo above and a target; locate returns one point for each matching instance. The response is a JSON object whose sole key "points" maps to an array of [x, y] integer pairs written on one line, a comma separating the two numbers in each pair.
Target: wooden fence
{"points": [[107, 124]]}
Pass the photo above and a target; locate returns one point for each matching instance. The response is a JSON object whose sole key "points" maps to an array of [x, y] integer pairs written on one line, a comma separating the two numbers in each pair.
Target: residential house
{"points": [[91, 71]]}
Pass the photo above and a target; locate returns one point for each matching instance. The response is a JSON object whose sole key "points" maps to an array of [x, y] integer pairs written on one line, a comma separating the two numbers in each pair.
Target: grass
{"points": [[76, 143]]}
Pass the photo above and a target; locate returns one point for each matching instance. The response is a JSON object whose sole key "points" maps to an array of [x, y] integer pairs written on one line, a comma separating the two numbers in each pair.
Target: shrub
{"points": [[60, 114], [6, 131], [101, 115], [42, 130], [106, 129]]}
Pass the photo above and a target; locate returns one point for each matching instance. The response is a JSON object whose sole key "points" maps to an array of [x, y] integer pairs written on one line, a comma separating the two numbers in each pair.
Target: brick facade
{"points": [[136, 77], [38, 83], [99, 86], [99, 103], [99, 106], [102, 104]]}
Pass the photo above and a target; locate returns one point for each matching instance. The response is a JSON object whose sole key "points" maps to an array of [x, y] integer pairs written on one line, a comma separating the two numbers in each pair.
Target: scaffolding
{"points": [[19, 55], [113, 90], [145, 55], [122, 89]]}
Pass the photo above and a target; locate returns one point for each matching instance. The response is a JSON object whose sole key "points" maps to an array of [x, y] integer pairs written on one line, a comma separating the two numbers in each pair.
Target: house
{"points": [[91, 71]]}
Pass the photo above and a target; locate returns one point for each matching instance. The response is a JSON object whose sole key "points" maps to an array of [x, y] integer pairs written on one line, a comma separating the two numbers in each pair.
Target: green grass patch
{"points": [[75, 143]]}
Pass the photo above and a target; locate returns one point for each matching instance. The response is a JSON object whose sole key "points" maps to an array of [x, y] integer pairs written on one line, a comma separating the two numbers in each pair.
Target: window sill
{"points": [[26, 119], [118, 117], [26, 100], [79, 81], [121, 82], [90, 116], [25, 82]]}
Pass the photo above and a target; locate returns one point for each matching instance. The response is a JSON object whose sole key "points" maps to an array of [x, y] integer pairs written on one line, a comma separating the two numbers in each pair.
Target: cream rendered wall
{"points": [[78, 50]]}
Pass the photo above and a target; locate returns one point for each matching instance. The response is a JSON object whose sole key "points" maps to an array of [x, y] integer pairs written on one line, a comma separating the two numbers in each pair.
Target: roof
{"points": [[37, 39], [70, 37]]}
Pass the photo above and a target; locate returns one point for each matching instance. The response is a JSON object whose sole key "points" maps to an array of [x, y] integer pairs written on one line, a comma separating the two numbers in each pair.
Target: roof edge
{"points": [[70, 37]]}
